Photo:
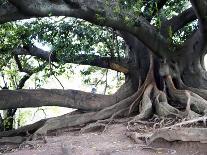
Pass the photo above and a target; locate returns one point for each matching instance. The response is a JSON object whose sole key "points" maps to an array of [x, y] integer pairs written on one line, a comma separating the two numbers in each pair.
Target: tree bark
{"points": [[116, 64], [161, 78], [64, 98]]}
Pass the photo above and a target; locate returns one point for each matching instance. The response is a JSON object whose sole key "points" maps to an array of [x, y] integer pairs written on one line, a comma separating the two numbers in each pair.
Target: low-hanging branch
{"points": [[178, 22], [83, 59], [55, 97], [152, 86], [29, 72]]}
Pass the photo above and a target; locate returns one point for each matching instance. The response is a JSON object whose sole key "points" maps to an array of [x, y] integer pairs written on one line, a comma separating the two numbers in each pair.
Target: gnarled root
{"points": [[23, 131], [183, 134], [80, 119], [145, 107], [148, 100], [12, 140], [42, 127], [193, 107], [183, 131], [193, 103], [162, 108]]}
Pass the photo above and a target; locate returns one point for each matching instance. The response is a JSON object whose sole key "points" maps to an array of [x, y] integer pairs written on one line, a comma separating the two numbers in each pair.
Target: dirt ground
{"points": [[111, 142]]}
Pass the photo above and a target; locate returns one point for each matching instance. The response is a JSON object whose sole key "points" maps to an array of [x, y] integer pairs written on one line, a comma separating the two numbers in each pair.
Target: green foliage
{"points": [[10, 74], [127, 10], [174, 7], [182, 34], [23, 117], [7, 122], [69, 37], [102, 79], [65, 37]]}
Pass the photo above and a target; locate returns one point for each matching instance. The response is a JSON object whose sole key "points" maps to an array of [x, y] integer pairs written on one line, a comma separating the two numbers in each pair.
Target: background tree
{"points": [[158, 45]]}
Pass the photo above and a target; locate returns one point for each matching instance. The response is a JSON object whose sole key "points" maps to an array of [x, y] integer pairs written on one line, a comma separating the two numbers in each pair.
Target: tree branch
{"points": [[8, 13], [28, 71], [19, 65], [200, 8], [99, 13], [178, 22], [55, 97], [196, 43], [83, 59]]}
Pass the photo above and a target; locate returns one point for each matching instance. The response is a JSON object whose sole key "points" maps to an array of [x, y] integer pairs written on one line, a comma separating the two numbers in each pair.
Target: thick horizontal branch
{"points": [[55, 97], [99, 13], [83, 59], [196, 44], [8, 13], [178, 22]]}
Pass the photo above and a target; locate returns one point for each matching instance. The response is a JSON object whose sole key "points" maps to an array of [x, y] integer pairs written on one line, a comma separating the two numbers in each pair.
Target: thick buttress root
{"points": [[147, 101], [42, 127], [192, 107], [123, 108], [195, 104]]}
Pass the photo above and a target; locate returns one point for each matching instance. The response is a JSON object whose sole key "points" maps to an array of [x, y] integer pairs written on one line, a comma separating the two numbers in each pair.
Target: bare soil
{"points": [[111, 142]]}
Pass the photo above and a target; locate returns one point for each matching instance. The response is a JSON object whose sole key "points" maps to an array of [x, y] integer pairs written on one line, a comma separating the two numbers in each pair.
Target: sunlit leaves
{"points": [[174, 7], [182, 34], [103, 80], [65, 37]]}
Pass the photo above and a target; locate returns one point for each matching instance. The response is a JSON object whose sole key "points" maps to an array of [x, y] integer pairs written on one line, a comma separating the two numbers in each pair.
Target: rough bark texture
{"points": [[161, 78], [55, 97]]}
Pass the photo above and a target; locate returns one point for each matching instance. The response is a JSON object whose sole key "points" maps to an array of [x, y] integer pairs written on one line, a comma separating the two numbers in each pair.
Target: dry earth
{"points": [[111, 142]]}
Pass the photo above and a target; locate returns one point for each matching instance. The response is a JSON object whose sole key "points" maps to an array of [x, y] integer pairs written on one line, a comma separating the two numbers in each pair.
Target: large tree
{"points": [[158, 45]]}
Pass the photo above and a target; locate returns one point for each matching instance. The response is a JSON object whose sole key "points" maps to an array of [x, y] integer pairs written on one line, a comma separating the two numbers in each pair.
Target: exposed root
{"points": [[193, 106], [145, 107], [80, 119], [201, 92], [192, 121], [188, 99], [183, 134], [198, 104], [42, 127], [116, 121], [93, 127], [183, 131], [148, 100], [28, 144], [163, 109], [137, 100], [136, 137], [101, 125], [147, 83], [24, 131], [12, 140]]}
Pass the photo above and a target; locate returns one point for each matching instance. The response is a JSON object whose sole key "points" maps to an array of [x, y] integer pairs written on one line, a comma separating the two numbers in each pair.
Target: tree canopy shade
{"points": [[158, 45]]}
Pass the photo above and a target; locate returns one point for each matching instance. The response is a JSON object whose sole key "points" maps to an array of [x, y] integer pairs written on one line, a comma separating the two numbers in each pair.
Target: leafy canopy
{"points": [[69, 37]]}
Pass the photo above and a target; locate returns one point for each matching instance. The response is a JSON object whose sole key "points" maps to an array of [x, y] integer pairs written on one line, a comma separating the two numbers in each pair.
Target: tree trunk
{"points": [[161, 78], [152, 86]]}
